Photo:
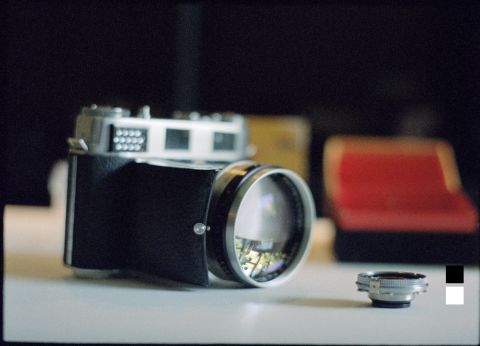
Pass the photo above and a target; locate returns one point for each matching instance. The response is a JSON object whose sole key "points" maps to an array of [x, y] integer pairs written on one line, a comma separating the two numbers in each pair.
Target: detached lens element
{"points": [[392, 289]]}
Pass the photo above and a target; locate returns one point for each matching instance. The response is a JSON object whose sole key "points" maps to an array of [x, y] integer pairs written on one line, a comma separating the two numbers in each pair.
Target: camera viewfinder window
{"points": [[177, 139], [223, 141]]}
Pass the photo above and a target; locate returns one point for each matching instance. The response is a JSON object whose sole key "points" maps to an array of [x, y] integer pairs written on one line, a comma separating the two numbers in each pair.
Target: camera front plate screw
{"points": [[199, 228]]}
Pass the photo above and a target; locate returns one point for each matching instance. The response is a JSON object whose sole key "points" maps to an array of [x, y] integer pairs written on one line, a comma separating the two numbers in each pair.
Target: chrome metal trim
{"points": [[392, 287], [179, 164], [216, 256], [106, 111], [77, 144], [93, 125], [199, 228], [70, 215]]}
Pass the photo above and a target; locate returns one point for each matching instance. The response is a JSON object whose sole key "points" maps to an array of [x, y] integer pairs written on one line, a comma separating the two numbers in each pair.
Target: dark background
{"points": [[352, 67]]}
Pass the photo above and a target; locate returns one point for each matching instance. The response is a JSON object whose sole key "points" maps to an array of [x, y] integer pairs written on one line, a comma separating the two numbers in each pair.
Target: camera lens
{"points": [[260, 221], [392, 289], [265, 229]]}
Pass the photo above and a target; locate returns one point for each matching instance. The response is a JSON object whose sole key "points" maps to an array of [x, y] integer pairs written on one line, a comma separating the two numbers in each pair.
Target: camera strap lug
{"points": [[77, 144]]}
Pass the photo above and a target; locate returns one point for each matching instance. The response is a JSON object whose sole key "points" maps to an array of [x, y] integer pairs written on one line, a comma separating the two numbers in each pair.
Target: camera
{"points": [[178, 198]]}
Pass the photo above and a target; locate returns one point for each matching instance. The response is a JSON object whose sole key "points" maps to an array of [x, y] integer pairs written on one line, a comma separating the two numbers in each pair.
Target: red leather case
{"points": [[398, 199]]}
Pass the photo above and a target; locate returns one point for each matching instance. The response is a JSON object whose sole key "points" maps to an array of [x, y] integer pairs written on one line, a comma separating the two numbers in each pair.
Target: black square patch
{"points": [[454, 274]]}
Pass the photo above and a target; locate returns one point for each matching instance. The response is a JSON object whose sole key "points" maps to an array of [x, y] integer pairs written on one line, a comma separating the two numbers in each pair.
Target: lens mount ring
{"points": [[392, 289], [236, 180]]}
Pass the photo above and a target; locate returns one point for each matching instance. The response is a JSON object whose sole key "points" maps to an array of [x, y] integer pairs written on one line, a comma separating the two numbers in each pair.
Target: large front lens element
{"points": [[268, 228], [261, 219]]}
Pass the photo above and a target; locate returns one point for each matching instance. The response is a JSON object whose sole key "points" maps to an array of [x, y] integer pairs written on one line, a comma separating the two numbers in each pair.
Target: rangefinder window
{"points": [[127, 139], [223, 141], [177, 139]]}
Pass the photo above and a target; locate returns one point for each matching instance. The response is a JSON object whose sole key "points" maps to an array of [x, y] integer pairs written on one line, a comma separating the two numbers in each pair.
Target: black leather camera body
{"points": [[138, 216]]}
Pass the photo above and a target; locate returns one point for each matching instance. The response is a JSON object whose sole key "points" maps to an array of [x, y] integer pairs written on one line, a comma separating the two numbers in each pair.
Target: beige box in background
{"points": [[282, 141]]}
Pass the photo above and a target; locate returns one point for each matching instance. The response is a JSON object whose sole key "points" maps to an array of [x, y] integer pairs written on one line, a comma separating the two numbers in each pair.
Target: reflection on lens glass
{"points": [[266, 228]]}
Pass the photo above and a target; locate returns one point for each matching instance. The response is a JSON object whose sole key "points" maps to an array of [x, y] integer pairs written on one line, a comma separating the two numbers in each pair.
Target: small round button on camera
{"points": [[389, 289], [199, 228]]}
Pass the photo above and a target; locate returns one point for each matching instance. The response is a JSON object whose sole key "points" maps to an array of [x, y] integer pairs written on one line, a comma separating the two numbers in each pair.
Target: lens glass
{"points": [[268, 227], [399, 276]]}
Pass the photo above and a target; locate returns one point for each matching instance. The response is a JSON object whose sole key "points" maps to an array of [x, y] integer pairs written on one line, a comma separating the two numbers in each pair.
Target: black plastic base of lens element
{"points": [[390, 305]]}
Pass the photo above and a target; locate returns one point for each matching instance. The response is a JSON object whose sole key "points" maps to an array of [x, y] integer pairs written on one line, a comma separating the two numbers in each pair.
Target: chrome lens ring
{"points": [[234, 188], [390, 289]]}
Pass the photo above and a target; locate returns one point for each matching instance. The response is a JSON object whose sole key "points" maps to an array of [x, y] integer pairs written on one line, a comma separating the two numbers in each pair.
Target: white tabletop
{"points": [[44, 302]]}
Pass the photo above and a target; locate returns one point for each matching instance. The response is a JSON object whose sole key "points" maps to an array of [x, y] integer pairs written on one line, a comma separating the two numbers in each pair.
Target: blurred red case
{"points": [[398, 200]]}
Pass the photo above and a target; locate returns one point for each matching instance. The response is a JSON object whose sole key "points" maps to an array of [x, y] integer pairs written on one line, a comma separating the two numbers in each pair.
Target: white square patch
{"points": [[454, 295]]}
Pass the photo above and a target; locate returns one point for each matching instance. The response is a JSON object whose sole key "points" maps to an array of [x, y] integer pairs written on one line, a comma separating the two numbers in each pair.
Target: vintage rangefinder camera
{"points": [[176, 198]]}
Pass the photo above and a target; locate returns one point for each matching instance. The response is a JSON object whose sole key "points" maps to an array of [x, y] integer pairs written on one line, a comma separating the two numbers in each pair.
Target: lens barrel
{"points": [[260, 224]]}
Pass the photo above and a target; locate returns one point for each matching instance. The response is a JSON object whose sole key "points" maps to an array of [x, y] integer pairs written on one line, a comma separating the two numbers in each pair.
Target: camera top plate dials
{"points": [[189, 137]]}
